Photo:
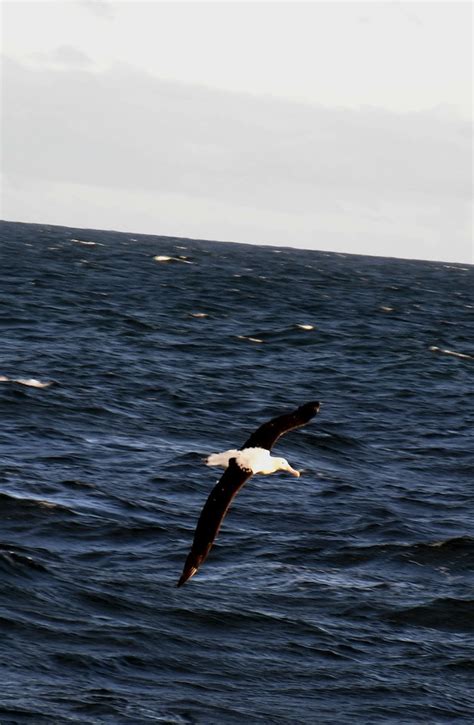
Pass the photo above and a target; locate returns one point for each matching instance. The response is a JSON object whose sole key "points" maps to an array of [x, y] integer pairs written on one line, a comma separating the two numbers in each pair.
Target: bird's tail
{"points": [[192, 564]]}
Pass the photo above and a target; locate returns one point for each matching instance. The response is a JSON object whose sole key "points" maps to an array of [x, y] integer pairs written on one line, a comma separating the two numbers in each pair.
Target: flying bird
{"points": [[240, 465]]}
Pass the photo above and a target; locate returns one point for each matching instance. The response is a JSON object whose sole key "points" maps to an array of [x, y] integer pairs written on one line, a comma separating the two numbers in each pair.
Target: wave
{"points": [[12, 561], [456, 615], [455, 554], [22, 714], [13, 504]]}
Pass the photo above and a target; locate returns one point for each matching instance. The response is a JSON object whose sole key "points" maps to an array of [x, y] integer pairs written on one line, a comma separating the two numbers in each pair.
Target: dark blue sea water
{"points": [[345, 596]]}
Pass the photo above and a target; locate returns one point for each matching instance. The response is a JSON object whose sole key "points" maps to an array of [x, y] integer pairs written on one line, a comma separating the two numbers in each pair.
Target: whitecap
{"points": [[463, 355], [166, 258], [29, 382], [460, 269], [250, 339], [305, 327], [32, 382]]}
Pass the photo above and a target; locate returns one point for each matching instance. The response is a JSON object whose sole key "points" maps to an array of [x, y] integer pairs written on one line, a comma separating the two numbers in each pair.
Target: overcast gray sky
{"points": [[335, 126]]}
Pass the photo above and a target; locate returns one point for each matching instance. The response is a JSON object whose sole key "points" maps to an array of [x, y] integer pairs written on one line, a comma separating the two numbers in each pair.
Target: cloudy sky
{"points": [[342, 126]]}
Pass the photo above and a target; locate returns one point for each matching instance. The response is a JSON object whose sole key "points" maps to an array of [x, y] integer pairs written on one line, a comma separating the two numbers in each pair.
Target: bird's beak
{"points": [[294, 472]]}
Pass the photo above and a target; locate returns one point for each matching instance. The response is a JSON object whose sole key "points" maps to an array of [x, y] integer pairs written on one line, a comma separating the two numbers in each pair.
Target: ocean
{"points": [[344, 596]]}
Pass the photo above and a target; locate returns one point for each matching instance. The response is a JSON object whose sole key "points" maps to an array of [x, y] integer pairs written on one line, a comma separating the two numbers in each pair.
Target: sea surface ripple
{"points": [[345, 596]]}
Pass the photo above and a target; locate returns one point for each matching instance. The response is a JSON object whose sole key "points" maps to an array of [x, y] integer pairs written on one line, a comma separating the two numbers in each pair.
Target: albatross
{"points": [[254, 457]]}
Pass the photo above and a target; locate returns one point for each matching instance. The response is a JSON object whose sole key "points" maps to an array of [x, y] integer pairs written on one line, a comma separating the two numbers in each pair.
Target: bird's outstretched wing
{"points": [[212, 516], [268, 433], [232, 481]]}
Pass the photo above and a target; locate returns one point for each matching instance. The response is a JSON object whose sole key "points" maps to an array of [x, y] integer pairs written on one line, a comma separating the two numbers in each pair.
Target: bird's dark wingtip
{"points": [[187, 574], [310, 408], [190, 568]]}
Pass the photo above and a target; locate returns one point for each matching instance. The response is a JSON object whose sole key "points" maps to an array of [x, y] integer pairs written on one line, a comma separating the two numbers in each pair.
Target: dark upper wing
{"points": [[268, 433], [212, 516]]}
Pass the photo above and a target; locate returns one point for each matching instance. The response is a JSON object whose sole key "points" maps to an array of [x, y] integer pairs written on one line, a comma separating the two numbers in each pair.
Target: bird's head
{"points": [[283, 465]]}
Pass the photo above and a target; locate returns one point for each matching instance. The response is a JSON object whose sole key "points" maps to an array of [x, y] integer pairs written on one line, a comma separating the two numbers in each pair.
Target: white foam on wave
{"points": [[463, 355], [460, 269], [166, 258], [305, 327], [250, 339], [29, 382]]}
